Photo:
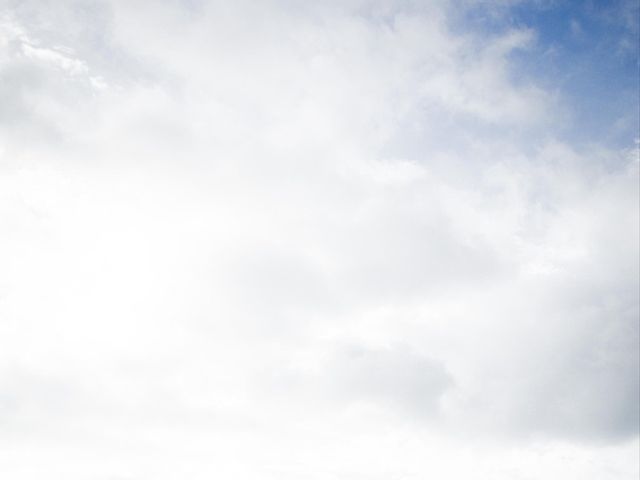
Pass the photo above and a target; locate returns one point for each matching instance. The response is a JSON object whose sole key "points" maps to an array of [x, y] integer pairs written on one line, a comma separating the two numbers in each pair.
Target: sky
{"points": [[335, 240]]}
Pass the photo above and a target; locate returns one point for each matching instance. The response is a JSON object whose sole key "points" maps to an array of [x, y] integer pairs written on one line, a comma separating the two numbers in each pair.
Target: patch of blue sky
{"points": [[584, 51]]}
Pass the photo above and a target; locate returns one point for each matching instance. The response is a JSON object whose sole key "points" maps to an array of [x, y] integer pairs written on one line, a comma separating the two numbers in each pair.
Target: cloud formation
{"points": [[306, 240]]}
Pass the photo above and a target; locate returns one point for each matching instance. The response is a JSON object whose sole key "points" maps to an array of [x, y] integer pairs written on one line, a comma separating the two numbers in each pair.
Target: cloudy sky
{"points": [[319, 240]]}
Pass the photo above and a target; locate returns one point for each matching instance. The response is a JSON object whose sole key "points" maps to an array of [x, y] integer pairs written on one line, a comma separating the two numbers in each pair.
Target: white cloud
{"points": [[286, 240]]}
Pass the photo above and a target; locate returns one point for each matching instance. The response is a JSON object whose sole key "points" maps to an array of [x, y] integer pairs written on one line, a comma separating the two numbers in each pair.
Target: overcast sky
{"points": [[319, 240]]}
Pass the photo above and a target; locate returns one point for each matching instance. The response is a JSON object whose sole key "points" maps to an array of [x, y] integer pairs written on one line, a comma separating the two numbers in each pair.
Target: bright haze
{"points": [[319, 240]]}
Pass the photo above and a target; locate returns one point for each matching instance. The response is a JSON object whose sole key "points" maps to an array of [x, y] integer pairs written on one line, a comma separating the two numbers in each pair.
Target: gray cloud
{"points": [[396, 378]]}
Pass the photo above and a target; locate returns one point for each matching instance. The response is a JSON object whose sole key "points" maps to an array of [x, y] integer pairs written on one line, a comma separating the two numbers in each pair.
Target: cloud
{"points": [[388, 382], [285, 240]]}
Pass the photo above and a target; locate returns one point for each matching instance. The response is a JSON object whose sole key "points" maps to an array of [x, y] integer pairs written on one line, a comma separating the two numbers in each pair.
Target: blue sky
{"points": [[587, 52]]}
